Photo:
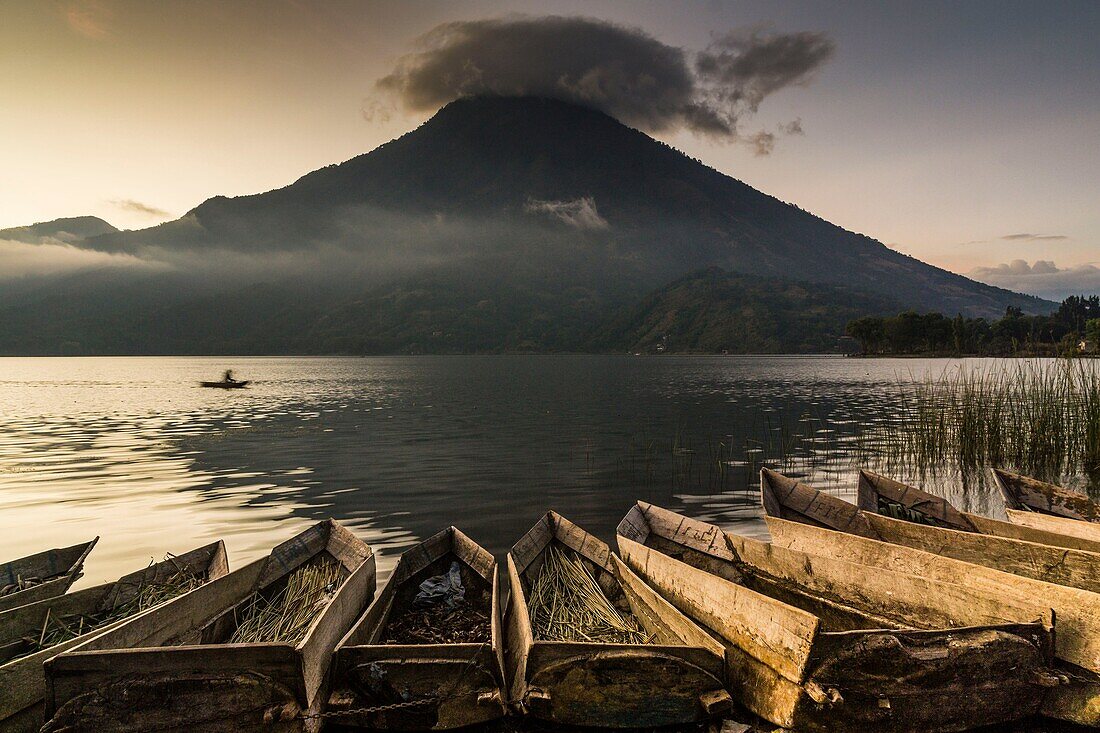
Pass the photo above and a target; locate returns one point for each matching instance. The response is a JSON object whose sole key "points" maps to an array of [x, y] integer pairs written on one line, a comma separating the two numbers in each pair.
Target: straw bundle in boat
{"points": [[567, 604], [286, 615], [58, 629]]}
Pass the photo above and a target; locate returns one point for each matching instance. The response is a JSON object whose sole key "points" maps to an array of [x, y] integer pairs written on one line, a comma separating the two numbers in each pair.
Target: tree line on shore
{"points": [[1073, 328]]}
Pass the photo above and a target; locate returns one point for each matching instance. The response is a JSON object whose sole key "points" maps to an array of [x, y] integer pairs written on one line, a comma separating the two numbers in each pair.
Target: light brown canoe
{"points": [[22, 683], [1029, 494], [1077, 643], [1083, 534], [58, 569], [880, 495], [170, 668], [814, 643], [1059, 565], [457, 684], [678, 679]]}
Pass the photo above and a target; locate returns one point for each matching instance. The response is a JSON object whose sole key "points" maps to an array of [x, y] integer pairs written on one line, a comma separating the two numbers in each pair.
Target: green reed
{"points": [[1039, 417]]}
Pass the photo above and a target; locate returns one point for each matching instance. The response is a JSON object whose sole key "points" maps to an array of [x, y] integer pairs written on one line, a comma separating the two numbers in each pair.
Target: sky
{"points": [[964, 134]]}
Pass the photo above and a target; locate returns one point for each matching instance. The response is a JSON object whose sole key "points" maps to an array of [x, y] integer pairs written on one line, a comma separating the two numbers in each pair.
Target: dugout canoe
{"points": [[1076, 645], [793, 500], [55, 570], [172, 668], [22, 682], [1022, 493], [678, 678], [880, 495], [814, 643], [456, 684]]}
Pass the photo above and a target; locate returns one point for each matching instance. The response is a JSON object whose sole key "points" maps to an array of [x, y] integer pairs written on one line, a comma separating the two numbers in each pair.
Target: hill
{"points": [[69, 230]]}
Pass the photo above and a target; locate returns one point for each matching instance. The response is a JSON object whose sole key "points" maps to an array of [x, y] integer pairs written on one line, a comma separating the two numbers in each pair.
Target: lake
{"points": [[133, 450]]}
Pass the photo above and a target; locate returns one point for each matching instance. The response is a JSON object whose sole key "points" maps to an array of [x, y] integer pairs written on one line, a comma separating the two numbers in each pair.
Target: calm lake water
{"points": [[132, 449]]}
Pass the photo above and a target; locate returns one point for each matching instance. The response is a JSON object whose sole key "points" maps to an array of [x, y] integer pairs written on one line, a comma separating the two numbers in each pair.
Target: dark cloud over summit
{"points": [[622, 71]]}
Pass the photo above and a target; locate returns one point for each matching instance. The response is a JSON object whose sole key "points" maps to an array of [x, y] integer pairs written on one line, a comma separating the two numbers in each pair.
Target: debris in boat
{"points": [[286, 616], [22, 583], [59, 629], [442, 614], [567, 604]]}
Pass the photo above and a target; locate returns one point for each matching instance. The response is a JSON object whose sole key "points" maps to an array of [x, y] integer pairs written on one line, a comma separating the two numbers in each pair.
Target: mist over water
{"points": [[132, 449]]}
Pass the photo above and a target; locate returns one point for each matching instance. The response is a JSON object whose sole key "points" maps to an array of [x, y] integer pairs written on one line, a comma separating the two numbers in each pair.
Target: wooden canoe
{"points": [[676, 679], [55, 569], [1022, 493], [171, 668], [881, 495], [802, 503], [1077, 643], [22, 683], [814, 643], [227, 385], [459, 684], [1082, 534]]}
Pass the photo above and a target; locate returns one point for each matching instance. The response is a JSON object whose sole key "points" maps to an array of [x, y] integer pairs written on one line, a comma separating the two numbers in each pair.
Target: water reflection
{"points": [[132, 450]]}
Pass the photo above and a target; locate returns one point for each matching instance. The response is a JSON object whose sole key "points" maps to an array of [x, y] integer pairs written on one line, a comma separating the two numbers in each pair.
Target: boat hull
{"points": [[61, 566]]}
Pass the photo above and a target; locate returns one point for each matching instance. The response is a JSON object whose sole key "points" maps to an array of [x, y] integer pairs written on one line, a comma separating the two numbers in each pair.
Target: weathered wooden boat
{"points": [[1085, 535], [42, 575], [71, 619], [1077, 643], [676, 678], [814, 643], [1022, 493], [387, 657], [234, 384], [790, 499], [880, 495], [189, 664]]}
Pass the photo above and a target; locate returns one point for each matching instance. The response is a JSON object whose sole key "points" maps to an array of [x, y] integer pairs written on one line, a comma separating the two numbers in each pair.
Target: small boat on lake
{"points": [[42, 575], [658, 669], [32, 634], [249, 651], [1024, 494], [789, 499], [816, 643], [432, 634], [227, 382]]}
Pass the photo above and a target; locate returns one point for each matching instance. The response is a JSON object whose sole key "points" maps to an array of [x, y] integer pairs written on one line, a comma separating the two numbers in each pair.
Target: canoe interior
{"points": [[678, 678], [1030, 558], [880, 495], [22, 684], [804, 633], [55, 570], [120, 680], [460, 684], [1025, 493]]}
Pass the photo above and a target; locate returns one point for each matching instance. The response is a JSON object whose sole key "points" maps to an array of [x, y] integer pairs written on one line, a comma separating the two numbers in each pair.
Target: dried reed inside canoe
{"points": [[286, 616], [567, 604], [58, 629], [22, 582], [467, 623]]}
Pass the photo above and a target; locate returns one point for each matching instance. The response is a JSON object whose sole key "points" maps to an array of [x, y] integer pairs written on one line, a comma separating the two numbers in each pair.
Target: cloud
{"points": [[89, 18], [579, 213], [137, 207], [56, 257], [1034, 237], [622, 71], [1043, 278]]}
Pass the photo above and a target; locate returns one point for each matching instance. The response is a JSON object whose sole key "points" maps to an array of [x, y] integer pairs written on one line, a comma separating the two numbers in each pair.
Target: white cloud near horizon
{"points": [[56, 257], [1043, 278]]}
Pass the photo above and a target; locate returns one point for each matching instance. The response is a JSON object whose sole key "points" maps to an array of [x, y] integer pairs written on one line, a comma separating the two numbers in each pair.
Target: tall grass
{"points": [[1042, 418]]}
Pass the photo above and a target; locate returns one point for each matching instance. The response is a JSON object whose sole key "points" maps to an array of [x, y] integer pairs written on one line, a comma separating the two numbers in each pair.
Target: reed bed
{"points": [[567, 604], [59, 629], [1042, 418], [286, 615]]}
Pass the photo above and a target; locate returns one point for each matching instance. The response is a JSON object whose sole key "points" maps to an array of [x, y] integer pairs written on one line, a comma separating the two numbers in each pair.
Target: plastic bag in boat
{"points": [[446, 589]]}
